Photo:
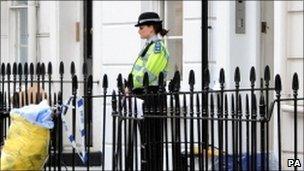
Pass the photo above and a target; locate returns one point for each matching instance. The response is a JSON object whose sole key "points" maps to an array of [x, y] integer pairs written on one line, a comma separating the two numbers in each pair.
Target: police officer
{"points": [[153, 59]]}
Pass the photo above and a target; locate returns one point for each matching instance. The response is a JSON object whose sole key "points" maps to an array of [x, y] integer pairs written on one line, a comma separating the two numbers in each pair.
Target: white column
{"points": [[280, 40], [54, 36], [32, 30]]}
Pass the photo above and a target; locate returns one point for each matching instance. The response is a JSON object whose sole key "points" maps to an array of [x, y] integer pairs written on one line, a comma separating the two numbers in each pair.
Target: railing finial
{"points": [[252, 76], [105, 81], [25, 69], [32, 69], [8, 69], [295, 82], [73, 70], [50, 68], [20, 71], [61, 68], [267, 74], [278, 84], [2, 69], [237, 75], [222, 76]]}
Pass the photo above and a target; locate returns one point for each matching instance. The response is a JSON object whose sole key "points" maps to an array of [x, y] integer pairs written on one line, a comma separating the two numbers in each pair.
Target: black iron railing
{"points": [[225, 129], [23, 84]]}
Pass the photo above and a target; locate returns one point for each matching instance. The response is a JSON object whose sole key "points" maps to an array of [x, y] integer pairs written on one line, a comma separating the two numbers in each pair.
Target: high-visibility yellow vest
{"points": [[153, 61]]}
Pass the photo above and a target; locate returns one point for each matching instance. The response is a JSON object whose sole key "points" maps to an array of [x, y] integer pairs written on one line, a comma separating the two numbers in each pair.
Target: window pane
{"points": [[174, 17], [23, 34], [17, 3], [175, 47]]}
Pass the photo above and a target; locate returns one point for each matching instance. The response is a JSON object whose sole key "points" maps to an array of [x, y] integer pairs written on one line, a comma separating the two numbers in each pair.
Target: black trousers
{"points": [[151, 131]]}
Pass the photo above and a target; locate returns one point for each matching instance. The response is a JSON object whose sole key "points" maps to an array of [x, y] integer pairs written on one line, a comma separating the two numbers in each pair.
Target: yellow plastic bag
{"points": [[26, 147]]}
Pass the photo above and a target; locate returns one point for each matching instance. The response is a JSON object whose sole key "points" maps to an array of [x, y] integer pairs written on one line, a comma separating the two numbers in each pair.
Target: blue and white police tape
{"points": [[81, 151]]}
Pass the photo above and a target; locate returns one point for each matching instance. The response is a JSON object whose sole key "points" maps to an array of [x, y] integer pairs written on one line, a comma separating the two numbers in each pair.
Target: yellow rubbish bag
{"points": [[26, 147]]}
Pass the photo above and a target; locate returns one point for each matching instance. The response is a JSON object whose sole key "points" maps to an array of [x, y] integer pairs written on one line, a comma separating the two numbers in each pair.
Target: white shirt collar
{"points": [[153, 39]]}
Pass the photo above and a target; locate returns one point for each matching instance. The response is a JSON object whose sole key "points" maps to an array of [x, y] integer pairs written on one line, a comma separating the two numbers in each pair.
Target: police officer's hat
{"points": [[147, 18]]}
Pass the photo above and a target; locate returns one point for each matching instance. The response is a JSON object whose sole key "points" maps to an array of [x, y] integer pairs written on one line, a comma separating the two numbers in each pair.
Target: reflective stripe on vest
{"points": [[153, 63]]}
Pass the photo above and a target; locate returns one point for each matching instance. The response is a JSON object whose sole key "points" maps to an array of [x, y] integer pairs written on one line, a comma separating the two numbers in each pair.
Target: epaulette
{"points": [[157, 47]]}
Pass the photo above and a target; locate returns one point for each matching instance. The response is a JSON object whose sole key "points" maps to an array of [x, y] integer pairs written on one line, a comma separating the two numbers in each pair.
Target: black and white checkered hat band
{"points": [[150, 19]]}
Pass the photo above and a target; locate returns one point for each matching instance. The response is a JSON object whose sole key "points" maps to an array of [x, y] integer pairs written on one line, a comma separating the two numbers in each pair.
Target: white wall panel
{"points": [[192, 41], [43, 50], [295, 5], [120, 11], [4, 31], [4, 17], [192, 9], [44, 16], [4, 50], [295, 35], [120, 44]]}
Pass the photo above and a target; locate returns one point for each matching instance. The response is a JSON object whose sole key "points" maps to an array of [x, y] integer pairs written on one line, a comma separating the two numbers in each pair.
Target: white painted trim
{"points": [[32, 31], [289, 108]]}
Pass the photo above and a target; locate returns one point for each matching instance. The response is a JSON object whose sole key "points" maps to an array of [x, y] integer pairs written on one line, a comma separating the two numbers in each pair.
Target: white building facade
{"points": [[51, 31]]}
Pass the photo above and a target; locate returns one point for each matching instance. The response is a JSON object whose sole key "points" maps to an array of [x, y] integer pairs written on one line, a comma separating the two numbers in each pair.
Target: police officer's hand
{"points": [[127, 91]]}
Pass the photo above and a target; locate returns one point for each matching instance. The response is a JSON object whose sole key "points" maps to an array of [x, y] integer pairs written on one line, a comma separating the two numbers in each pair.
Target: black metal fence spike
{"points": [[226, 102], [130, 81], [25, 69], [161, 79], [222, 76], [31, 69], [267, 74], [105, 81], [262, 100], [254, 104], [42, 69], [15, 68], [206, 77], [74, 83], [262, 106], [240, 105], [20, 71], [237, 75], [218, 102], [55, 98], [247, 103], [84, 69], [177, 81], [73, 70], [211, 102], [278, 84], [295, 82], [50, 68], [61, 68], [2, 69], [59, 95], [90, 83], [232, 102], [171, 86], [252, 77], [146, 80], [38, 68], [114, 102], [8, 69], [119, 82], [191, 78]]}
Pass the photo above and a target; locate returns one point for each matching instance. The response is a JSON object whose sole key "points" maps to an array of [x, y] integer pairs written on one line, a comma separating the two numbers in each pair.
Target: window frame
{"points": [[15, 44], [162, 9]]}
